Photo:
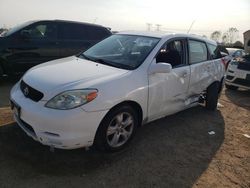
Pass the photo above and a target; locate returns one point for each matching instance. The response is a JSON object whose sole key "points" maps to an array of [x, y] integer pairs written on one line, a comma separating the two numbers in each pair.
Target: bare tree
{"points": [[233, 34], [216, 35], [225, 38]]}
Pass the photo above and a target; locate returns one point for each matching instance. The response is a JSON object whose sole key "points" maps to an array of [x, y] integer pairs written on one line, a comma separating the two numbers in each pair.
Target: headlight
{"points": [[72, 99]]}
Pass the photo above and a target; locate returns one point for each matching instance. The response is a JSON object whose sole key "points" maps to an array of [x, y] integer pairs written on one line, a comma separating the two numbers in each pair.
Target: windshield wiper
{"points": [[85, 57], [105, 62], [113, 64]]}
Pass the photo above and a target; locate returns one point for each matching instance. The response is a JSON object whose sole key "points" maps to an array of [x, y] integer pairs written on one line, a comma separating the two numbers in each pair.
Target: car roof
{"points": [[159, 34], [68, 21]]}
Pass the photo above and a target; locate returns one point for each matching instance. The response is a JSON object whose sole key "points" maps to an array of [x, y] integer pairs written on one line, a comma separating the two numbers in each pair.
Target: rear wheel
{"points": [[117, 129], [231, 87], [212, 96]]}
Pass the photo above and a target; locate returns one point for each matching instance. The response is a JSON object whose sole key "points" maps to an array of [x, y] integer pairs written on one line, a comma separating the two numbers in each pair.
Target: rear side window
{"points": [[73, 32], [97, 33], [214, 51], [197, 51]]}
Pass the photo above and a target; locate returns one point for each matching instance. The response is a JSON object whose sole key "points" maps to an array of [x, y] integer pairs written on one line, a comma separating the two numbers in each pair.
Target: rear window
{"points": [[214, 51], [197, 51]]}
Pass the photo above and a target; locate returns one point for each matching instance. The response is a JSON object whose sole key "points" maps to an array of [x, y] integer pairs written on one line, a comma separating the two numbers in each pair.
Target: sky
{"points": [[173, 15]]}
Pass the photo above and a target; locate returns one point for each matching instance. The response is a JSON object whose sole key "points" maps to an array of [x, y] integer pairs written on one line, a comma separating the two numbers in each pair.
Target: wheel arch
{"points": [[136, 106]]}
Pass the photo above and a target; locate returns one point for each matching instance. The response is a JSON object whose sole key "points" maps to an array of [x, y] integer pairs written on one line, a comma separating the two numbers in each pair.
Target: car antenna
{"points": [[191, 26]]}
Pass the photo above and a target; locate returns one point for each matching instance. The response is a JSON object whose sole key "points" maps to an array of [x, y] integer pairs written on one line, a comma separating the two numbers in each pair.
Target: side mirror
{"points": [[160, 67], [25, 34]]}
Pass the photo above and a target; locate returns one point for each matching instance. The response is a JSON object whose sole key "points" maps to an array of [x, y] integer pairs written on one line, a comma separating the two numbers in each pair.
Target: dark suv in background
{"points": [[35, 42]]}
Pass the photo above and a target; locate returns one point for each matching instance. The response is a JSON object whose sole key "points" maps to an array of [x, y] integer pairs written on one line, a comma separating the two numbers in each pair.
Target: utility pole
{"points": [[148, 26], [158, 27]]}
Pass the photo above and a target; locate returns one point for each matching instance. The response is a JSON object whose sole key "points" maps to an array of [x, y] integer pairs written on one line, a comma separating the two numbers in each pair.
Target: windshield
{"points": [[122, 51], [16, 28], [232, 50]]}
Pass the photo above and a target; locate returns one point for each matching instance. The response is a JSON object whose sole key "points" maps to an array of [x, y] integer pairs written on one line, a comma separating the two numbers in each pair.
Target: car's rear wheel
{"points": [[117, 129], [231, 87], [212, 96]]}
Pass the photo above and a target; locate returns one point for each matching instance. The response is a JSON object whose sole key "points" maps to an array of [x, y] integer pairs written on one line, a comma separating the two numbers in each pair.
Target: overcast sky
{"points": [[172, 15]]}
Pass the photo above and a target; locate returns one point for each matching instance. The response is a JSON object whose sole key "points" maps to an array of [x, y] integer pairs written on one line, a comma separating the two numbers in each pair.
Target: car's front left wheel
{"points": [[117, 129]]}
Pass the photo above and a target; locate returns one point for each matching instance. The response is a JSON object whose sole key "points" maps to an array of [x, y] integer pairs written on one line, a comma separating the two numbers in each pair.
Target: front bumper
{"points": [[238, 78], [65, 129]]}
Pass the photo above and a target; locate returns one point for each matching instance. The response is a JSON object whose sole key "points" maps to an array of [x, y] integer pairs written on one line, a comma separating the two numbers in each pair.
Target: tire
{"points": [[231, 87], [212, 96], [116, 129], [1, 72]]}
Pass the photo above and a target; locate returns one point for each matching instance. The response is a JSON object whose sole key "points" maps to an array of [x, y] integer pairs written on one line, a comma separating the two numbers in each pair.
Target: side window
{"points": [[214, 51], [42, 31], [73, 32], [172, 52], [97, 33], [197, 51]]}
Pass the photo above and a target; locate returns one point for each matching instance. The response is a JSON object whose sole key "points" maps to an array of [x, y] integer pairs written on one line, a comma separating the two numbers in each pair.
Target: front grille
{"points": [[242, 82], [30, 92], [229, 77], [244, 66]]}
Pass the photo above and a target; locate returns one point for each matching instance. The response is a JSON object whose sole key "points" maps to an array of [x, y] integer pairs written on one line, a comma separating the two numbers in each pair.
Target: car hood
{"points": [[69, 73]]}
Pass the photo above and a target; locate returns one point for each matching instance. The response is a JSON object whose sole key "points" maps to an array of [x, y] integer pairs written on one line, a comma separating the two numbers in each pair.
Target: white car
{"points": [[101, 96], [238, 73], [233, 53]]}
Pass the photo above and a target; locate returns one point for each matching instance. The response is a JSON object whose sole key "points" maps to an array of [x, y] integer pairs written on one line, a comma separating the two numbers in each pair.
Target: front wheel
{"points": [[212, 96], [117, 129]]}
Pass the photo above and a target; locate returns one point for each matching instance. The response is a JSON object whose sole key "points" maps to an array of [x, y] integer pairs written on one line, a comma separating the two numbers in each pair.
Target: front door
{"points": [[168, 91]]}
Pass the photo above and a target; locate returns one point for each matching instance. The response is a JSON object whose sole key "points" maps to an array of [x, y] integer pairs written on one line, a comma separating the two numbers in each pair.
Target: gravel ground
{"points": [[175, 151]]}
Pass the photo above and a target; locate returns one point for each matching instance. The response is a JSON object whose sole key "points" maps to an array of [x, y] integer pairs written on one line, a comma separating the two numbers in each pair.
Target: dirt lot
{"points": [[176, 151]]}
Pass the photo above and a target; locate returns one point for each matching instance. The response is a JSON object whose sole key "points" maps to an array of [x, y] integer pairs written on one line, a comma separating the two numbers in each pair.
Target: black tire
{"points": [[1, 72], [231, 87], [102, 140], [212, 96]]}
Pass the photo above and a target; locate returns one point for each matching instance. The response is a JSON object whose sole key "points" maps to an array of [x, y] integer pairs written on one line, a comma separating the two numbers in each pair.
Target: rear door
{"points": [[202, 67], [40, 45]]}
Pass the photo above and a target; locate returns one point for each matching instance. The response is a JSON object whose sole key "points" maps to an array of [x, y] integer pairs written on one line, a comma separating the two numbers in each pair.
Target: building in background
{"points": [[247, 41]]}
